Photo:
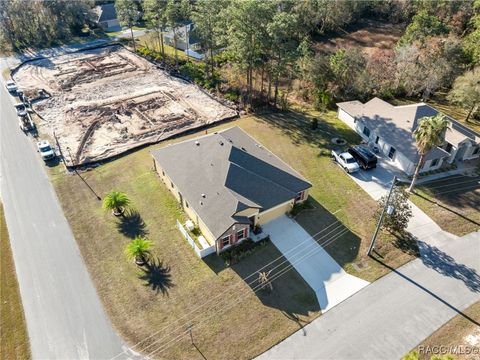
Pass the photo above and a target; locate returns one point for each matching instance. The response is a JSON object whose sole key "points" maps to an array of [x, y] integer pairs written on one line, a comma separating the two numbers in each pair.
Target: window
{"points": [[186, 204], [366, 131], [240, 234], [299, 196], [391, 153], [163, 173], [172, 186], [476, 150], [434, 162], [225, 241], [377, 139], [449, 148]]}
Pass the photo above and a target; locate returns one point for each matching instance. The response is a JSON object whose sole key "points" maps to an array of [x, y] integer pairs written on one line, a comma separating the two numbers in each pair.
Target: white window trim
{"points": [[229, 243]]}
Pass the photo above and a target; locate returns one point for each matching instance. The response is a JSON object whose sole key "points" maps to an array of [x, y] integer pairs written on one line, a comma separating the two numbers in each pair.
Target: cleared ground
{"points": [[368, 37], [452, 202], [463, 331], [108, 100], [163, 299], [14, 342]]}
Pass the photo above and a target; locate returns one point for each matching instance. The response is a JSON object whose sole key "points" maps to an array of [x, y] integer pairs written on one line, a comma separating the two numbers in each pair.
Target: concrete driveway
{"points": [[376, 182], [325, 276]]}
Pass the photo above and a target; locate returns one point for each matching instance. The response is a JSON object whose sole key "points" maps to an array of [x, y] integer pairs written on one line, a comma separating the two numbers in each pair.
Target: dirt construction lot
{"points": [[108, 100]]}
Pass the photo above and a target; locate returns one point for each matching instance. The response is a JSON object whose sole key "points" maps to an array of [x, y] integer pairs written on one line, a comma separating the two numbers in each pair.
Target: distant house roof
{"points": [[396, 124], [186, 26], [106, 12], [222, 174]]}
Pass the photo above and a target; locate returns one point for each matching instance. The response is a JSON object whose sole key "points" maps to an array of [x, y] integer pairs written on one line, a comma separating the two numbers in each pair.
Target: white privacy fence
{"points": [[200, 252]]}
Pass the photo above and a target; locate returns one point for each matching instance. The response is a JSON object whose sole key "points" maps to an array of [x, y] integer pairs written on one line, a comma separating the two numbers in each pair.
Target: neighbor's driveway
{"points": [[395, 313], [377, 182], [325, 276]]}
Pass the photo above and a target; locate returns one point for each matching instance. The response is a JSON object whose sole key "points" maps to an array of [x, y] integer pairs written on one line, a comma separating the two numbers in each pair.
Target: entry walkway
{"points": [[325, 276]]}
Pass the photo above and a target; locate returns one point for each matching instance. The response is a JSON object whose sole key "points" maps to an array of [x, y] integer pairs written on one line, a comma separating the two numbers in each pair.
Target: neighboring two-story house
{"points": [[391, 129], [228, 183]]}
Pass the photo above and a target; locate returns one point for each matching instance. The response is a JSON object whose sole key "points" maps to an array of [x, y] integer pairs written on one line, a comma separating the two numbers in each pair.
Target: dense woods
{"points": [[261, 52]]}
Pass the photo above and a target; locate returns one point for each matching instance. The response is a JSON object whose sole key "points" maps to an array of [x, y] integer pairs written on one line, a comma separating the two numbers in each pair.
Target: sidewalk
{"points": [[391, 316]]}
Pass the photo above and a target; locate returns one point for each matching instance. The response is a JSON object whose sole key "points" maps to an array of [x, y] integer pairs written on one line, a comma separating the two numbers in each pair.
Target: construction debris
{"points": [[106, 101]]}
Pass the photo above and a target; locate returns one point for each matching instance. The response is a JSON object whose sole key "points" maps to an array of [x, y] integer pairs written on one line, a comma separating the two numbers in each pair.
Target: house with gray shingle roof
{"points": [[228, 183], [391, 129], [107, 17]]}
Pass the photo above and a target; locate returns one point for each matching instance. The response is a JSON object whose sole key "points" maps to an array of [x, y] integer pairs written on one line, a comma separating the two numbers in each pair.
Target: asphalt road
{"points": [[64, 315], [391, 316]]}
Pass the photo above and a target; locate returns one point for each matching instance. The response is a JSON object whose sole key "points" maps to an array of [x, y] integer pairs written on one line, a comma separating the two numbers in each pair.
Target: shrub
{"points": [[245, 248]]}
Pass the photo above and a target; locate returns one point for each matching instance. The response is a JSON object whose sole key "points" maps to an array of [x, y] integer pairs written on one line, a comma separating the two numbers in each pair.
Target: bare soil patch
{"points": [[108, 100]]}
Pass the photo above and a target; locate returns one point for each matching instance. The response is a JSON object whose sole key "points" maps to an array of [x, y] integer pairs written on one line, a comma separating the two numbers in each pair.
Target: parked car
{"points": [[45, 150], [11, 86], [21, 109], [26, 123], [346, 161], [364, 157]]}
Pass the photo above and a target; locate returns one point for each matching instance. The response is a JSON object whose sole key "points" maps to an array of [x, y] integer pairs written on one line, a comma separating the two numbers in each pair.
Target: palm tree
{"points": [[116, 201], [428, 135], [139, 249]]}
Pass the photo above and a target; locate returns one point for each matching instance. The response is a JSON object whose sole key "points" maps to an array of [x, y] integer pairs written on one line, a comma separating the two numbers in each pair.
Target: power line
{"points": [[254, 273], [163, 347], [237, 285]]}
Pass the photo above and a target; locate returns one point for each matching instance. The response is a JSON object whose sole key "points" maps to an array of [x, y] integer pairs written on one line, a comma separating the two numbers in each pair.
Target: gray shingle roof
{"points": [[107, 12], [395, 124], [233, 171]]}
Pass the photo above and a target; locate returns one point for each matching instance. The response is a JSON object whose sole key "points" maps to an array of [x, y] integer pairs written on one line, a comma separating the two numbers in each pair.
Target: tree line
{"points": [[34, 24], [268, 47], [263, 51]]}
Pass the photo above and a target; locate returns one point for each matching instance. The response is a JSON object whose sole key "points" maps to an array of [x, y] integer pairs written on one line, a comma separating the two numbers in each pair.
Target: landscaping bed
{"points": [[164, 298]]}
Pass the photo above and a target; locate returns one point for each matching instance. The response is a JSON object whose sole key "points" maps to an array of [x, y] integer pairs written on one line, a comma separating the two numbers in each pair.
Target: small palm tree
{"points": [[139, 249], [428, 135], [116, 201]]}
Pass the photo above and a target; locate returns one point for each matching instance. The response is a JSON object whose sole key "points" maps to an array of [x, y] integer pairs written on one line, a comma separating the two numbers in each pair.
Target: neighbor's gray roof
{"points": [[234, 172], [107, 12], [395, 124]]}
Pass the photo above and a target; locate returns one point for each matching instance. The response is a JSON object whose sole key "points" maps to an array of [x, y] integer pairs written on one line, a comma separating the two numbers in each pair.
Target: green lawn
{"points": [[141, 302], [455, 333], [14, 342], [150, 40], [452, 202]]}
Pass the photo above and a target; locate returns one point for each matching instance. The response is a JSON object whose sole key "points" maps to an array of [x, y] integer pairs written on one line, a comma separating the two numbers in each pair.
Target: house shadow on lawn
{"points": [[297, 126], [157, 276], [325, 228], [132, 225], [289, 292]]}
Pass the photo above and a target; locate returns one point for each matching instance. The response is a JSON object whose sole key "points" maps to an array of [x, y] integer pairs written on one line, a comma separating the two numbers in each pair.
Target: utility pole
{"points": [[189, 329], [386, 209]]}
